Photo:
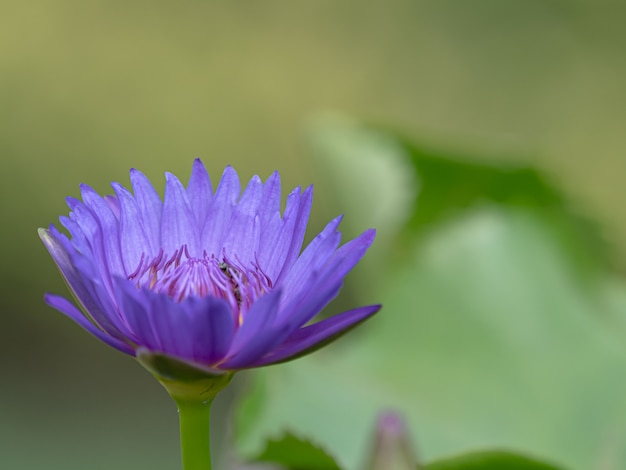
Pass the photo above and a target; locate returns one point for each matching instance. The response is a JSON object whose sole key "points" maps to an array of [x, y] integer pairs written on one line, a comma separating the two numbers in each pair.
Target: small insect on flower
{"points": [[213, 279]]}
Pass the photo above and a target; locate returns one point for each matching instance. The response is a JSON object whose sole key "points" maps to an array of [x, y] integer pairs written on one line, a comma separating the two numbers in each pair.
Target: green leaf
{"points": [[370, 172], [424, 186], [296, 453], [493, 460], [488, 337]]}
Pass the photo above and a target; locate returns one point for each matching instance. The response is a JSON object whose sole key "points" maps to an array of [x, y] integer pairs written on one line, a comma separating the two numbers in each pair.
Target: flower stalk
{"points": [[195, 443], [194, 400]]}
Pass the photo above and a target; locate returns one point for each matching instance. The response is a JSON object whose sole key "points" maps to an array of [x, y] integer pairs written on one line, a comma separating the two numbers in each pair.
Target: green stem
{"points": [[195, 443], [193, 388]]}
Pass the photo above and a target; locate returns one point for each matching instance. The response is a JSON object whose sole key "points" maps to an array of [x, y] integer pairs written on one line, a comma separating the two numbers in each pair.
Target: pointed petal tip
{"points": [[120, 190], [43, 232], [198, 167], [369, 234], [46, 235], [85, 188], [336, 222], [72, 202], [52, 300], [230, 171], [173, 182]]}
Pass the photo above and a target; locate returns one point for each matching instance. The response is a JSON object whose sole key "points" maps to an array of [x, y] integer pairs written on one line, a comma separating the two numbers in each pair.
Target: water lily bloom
{"points": [[214, 280]]}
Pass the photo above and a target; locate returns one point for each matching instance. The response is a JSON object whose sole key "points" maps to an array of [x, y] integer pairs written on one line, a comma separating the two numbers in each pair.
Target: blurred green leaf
{"points": [[488, 338], [370, 172], [493, 460], [296, 453], [377, 172]]}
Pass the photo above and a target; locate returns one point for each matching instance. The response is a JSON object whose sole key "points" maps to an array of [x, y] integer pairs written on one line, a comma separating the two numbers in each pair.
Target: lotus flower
{"points": [[213, 280]]}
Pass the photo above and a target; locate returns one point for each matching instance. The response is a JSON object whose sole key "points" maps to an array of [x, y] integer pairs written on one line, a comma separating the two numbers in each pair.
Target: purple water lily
{"points": [[213, 279]]}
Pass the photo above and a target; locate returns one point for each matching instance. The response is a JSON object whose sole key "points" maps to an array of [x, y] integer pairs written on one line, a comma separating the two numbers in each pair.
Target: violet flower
{"points": [[210, 280]]}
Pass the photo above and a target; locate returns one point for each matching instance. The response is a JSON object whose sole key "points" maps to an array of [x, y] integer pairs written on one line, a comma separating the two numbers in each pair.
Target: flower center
{"points": [[182, 275]]}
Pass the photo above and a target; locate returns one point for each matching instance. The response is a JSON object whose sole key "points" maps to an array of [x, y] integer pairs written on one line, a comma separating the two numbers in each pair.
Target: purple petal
{"points": [[270, 202], [318, 290], [114, 205], [212, 328], [312, 258], [86, 227], [159, 323], [150, 206], [310, 338], [276, 237], [133, 240], [135, 308], [108, 227], [72, 202], [88, 224], [309, 303], [94, 299], [302, 219], [199, 191], [257, 334], [178, 224], [344, 259], [245, 227], [172, 326], [79, 241], [66, 307], [221, 209]]}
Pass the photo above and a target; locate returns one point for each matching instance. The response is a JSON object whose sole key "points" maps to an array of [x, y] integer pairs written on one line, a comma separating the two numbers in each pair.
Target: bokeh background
{"points": [[90, 89]]}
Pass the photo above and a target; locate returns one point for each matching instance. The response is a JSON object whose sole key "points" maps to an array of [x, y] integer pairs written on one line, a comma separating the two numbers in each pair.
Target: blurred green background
{"points": [[90, 89]]}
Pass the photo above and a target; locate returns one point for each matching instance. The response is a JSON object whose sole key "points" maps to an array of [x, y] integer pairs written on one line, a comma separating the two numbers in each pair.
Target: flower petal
{"points": [[171, 325], [150, 207], [133, 240], [212, 328], [324, 286], [244, 229], [199, 191], [79, 241], [276, 236], [270, 202], [310, 338], [136, 310], [114, 205], [108, 226], [256, 335], [221, 209], [93, 297], [315, 255], [66, 307], [301, 221], [346, 257], [178, 224]]}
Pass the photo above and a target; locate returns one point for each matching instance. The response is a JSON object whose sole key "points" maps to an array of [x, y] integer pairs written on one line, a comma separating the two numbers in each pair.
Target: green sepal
{"points": [[183, 380]]}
